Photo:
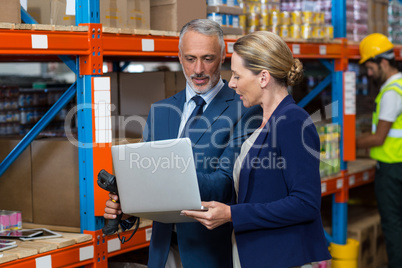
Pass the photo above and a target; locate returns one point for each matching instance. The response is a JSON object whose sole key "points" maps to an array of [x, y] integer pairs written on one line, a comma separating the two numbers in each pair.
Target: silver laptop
{"points": [[156, 180]]}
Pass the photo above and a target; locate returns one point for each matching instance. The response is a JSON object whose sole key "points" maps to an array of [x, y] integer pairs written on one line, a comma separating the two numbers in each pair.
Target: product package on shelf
{"points": [[34, 103], [289, 19], [395, 21], [9, 113], [125, 14], [329, 151], [227, 14], [357, 22], [21, 108], [10, 220]]}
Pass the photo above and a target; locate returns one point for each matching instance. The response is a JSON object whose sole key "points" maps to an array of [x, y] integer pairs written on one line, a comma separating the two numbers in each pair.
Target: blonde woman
{"points": [[276, 211]]}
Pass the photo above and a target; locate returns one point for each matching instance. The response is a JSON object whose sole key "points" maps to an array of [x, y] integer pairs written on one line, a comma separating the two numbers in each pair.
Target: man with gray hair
{"points": [[211, 114]]}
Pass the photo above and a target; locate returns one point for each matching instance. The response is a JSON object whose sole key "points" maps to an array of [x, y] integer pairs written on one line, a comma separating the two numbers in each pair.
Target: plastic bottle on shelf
{"points": [[9, 129], [9, 116], [28, 100], [3, 117], [30, 118], [23, 116], [215, 2], [21, 100], [35, 116], [16, 128]]}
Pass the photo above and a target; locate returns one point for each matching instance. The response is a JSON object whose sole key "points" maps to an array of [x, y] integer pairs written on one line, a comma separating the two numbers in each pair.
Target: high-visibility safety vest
{"points": [[391, 150]]}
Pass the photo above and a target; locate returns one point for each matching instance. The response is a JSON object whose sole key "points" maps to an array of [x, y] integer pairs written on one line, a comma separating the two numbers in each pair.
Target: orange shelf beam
{"points": [[94, 253], [316, 50], [140, 240], [332, 185], [360, 178], [19, 42], [64, 257], [341, 183], [139, 45]]}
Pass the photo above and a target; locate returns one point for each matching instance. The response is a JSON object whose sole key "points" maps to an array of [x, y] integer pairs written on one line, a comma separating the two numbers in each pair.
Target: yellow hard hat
{"points": [[374, 45]]}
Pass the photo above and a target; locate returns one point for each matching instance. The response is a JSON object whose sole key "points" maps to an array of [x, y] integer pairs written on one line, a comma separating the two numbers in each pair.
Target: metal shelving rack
{"points": [[83, 48]]}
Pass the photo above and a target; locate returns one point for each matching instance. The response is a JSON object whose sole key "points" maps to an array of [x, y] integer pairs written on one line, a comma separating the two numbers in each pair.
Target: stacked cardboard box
{"points": [[50, 12], [10, 11], [363, 231], [172, 15], [125, 14], [55, 183], [113, 13], [16, 183], [168, 15], [43, 183], [367, 230], [132, 95]]}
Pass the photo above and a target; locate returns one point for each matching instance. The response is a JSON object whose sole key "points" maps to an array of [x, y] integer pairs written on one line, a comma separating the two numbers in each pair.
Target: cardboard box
{"points": [[363, 230], [172, 15], [139, 14], [125, 141], [113, 13], [58, 14], [128, 127], [10, 11], [50, 12], [39, 10], [170, 84], [125, 13], [226, 75], [16, 183], [180, 81], [138, 91], [55, 183]]}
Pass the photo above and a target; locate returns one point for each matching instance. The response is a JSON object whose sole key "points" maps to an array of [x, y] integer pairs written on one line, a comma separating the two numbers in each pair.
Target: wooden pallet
{"points": [[42, 27], [34, 247], [132, 31]]}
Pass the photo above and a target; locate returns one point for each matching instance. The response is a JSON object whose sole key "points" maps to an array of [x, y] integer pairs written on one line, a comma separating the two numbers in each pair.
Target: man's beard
{"points": [[380, 79], [209, 86]]}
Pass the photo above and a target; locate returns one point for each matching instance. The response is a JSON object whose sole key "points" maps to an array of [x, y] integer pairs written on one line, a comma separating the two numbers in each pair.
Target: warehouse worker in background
{"points": [[216, 139], [377, 54]]}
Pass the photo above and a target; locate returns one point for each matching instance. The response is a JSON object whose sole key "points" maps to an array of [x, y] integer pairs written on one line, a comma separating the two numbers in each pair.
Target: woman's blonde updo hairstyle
{"points": [[267, 51]]}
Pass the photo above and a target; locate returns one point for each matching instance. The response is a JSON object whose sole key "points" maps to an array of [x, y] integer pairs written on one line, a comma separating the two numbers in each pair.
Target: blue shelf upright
{"points": [[337, 68], [90, 151]]}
